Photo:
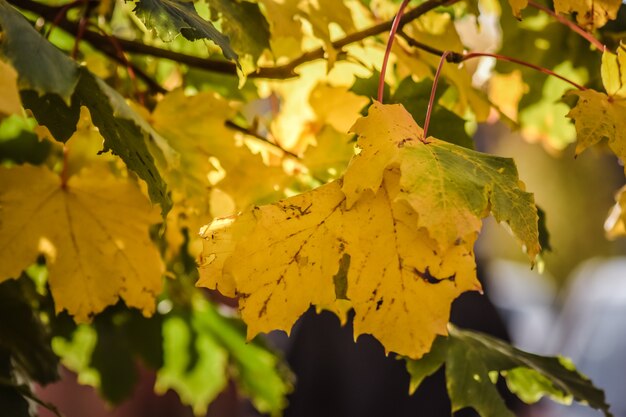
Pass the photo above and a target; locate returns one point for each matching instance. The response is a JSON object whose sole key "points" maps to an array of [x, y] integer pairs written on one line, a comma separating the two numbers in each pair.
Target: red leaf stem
{"points": [[431, 101], [392, 34], [472, 55]]}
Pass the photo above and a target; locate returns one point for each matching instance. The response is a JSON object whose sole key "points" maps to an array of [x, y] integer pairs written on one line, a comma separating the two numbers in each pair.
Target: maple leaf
{"points": [[94, 233], [596, 117], [450, 187], [408, 240], [19, 37], [246, 28], [590, 14], [599, 116], [472, 361], [168, 18], [281, 258]]}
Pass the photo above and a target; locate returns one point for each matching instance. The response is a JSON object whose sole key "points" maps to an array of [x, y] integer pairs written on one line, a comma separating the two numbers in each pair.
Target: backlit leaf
{"points": [[450, 188], [590, 14], [55, 97], [471, 358], [292, 250], [168, 18], [613, 72], [246, 27], [221, 351], [93, 232], [48, 70], [597, 117]]}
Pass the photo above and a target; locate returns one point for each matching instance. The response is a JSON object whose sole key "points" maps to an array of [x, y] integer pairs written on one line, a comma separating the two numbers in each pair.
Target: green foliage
{"points": [[171, 17], [471, 358]]}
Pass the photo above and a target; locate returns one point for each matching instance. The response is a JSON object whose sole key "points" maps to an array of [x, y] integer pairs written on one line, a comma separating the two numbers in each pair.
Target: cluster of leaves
{"points": [[241, 128]]}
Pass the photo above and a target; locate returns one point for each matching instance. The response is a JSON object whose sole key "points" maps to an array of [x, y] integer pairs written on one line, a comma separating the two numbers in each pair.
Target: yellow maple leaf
{"points": [[613, 72], [451, 188], [598, 116], [394, 247], [281, 258], [10, 102], [203, 135], [93, 232], [285, 19], [590, 14]]}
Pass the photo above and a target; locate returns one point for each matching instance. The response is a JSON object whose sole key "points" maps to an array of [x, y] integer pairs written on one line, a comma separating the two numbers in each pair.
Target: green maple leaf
{"points": [[473, 360]]}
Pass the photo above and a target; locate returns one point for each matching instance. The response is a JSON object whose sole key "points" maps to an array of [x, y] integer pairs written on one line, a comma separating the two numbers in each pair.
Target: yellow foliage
{"points": [[396, 248], [517, 6], [590, 14], [506, 91], [598, 116], [451, 188], [281, 258], [613, 72], [10, 102], [93, 233]]}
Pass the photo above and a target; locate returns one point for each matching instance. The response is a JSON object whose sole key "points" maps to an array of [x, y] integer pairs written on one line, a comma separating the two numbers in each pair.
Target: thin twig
{"points": [[431, 100], [451, 57], [573, 26], [472, 55], [232, 125], [456, 57], [277, 72], [392, 35]]}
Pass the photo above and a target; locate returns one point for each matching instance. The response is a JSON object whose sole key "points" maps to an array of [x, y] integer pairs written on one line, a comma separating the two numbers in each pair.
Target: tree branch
{"points": [[287, 70]]}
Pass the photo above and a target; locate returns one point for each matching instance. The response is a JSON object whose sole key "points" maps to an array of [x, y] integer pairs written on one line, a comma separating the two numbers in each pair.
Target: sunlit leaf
{"points": [[168, 18], [93, 231]]}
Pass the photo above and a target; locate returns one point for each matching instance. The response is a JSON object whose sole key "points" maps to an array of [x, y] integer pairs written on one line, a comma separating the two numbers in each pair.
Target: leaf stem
{"points": [[431, 100], [454, 57], [64, 170], [392, 35], [232, 125], [472, 55], [573, 26]]}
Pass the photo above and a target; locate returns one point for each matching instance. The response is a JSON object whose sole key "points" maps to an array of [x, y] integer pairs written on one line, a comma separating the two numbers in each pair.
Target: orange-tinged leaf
{"points": [[282, 258], [93, 232]]}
